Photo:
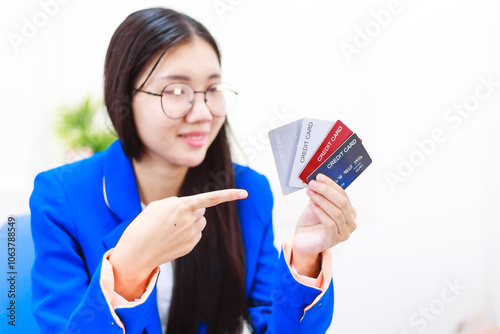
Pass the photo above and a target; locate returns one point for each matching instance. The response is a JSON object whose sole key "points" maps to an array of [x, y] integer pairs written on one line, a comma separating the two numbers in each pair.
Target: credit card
{"points": [[346, 163], [312, 134], [336, 137], [284, 144]]}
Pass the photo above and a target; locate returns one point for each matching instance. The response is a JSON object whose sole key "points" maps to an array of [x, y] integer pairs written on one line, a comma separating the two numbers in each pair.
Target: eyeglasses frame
{"points": [[195, 92]]}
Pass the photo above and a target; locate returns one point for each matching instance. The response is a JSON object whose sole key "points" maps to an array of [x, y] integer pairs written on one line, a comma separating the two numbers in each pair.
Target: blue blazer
{"points": [[80, 210]]}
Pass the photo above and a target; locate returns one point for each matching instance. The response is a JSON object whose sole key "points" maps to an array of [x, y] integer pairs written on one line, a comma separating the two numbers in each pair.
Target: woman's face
{"points": [[178, 142]]}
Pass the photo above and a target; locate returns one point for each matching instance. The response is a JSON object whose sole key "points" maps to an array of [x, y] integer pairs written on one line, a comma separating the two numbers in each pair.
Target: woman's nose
{"points": [[199, 110]]}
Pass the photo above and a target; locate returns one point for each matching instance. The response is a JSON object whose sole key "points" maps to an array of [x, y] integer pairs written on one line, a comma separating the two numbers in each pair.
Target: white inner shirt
{"points": [[164, 288]]}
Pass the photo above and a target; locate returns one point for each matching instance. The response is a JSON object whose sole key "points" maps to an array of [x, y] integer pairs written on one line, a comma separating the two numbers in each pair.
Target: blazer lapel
{"points": [[120, 191], [122, 198]]}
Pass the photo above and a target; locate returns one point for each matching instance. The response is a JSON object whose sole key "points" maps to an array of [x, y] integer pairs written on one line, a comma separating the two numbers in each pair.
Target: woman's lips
{"points": [[194, 139]]}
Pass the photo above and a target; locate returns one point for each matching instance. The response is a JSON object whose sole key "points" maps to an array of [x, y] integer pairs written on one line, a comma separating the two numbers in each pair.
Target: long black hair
{"points": [[209, 282]]}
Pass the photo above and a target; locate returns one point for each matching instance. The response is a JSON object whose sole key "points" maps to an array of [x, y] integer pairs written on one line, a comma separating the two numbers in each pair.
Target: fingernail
{"points": [[312, 204], [310, 193], [321, 177], [243, 194], [313, 184]]}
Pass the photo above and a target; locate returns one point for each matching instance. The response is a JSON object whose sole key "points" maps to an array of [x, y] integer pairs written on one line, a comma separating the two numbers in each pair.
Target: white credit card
{"points": [[284, 144], [312, 134]]}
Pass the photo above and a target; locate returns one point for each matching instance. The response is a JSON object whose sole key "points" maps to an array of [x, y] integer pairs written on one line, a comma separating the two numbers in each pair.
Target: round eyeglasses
{"points": [[177, 99]]}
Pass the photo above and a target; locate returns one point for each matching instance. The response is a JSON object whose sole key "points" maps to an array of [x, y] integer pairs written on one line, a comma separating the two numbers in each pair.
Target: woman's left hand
{"points": [[328, 219]]}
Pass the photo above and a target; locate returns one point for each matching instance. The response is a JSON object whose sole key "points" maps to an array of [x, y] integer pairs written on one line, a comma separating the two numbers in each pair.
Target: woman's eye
{"points": [[215, 89], [175, 91]]}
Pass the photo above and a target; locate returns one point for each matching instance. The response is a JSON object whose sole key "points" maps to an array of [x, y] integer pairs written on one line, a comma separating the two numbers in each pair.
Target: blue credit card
{"points": [[346, 164]]}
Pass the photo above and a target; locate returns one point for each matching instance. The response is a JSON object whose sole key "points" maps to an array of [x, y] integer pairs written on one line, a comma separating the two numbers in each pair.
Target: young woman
{"points": [[162, 232]]}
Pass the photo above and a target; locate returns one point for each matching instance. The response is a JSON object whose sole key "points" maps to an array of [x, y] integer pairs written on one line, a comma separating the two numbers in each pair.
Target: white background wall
{"points": [[437, 227]]}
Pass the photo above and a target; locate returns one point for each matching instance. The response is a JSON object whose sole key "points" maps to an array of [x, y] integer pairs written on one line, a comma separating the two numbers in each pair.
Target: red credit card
{"points": [[337, 135]]}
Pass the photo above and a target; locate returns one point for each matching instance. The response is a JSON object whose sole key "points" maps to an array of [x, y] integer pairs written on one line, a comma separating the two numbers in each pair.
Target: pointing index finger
{"points": [[213, 198]]}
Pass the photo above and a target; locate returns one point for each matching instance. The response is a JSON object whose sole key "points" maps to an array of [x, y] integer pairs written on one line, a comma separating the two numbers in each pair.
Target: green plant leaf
{"points": [[77, 129]]}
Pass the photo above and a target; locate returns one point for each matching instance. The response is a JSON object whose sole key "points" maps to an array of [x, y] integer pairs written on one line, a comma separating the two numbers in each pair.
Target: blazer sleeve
{"points": [[278, 302], [67, 298]]}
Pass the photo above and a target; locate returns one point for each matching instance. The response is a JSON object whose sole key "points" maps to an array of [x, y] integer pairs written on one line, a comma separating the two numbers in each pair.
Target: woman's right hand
{"points": [[164, 231]]}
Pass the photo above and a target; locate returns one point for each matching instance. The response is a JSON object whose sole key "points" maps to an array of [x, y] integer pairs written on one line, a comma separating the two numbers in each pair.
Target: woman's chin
{"points": [[192, 161]]}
